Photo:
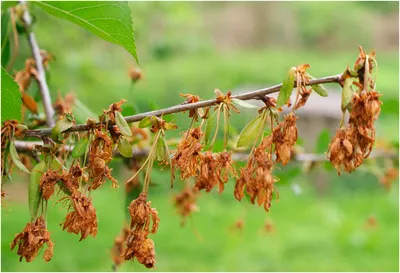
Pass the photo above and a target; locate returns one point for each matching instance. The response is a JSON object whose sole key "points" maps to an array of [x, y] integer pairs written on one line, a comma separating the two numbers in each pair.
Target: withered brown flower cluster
{"points": [[82, 219], [32, 239], [352, 144], [185, 202], [256, 177], [187, 157], [100, 155], [137, 244], [213, 170], [284, 138]]}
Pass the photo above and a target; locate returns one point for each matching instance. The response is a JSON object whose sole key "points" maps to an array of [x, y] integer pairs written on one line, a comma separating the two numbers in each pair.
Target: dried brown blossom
{"points": [[187, 157], [32, 239], [118, 248], [284, 137], [185, 202], [64, 105], [142, 213], [256, 178], [83, 218], [112, 108], [214, 169], [100, 155], [352, 144], [137, 244], [390, 176], [135, 74], [47, 182], [140, 247], [191, 99]]}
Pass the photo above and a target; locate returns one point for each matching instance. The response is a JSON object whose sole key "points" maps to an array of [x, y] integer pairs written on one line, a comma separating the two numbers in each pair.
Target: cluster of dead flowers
{"points": [[353, 143], [87, 172]]}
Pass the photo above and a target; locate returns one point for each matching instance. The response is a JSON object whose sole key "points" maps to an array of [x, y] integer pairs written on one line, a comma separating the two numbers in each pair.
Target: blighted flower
{"points": [[284, 137], [137, 244], [32, 239], [256, 178], [187, 157], [83, 218], [185, 202]]}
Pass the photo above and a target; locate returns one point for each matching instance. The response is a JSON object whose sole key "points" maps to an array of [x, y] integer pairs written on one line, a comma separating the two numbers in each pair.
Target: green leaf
{"points": [[249, 133], [318, 88], [124, 147], [160, 149], [243, 103], [15, 158], [146, 122], [111, 21], [287, 87], [11, 102], [34, 193], [8, 4], [80, 148], [61, 126], [210, 125], [5, 37], [122, 124], [347, 94]]}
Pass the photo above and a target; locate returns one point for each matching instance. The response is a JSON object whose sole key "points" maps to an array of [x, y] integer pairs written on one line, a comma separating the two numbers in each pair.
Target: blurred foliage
{"points": [[319, 222]]}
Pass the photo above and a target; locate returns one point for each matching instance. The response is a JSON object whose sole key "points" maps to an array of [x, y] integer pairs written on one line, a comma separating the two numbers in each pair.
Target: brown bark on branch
{"points": [[257, 94]]}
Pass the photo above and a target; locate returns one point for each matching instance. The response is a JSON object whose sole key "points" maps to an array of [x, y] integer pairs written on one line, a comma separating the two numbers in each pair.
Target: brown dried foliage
{"points": [[83, 218], [185, 202], [187, 157], [100, 156], [256, 178], [137, 244], [32, 239], [284, 138], [214, 170]]}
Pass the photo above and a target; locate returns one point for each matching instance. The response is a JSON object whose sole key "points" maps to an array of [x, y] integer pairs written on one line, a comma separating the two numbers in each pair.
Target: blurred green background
{"points": [[322, 221]]}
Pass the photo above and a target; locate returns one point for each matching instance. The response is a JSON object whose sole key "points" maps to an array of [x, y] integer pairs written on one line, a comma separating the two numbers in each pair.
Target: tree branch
{"points": [[41, 75], [257, 94]]}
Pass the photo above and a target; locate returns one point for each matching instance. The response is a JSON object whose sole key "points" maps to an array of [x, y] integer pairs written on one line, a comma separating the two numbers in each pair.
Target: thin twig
{"points": [[41, 75], [257, 94]]}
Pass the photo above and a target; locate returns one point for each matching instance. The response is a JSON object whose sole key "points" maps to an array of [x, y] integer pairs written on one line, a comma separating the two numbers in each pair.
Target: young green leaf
{"points": [[80, 148], [61, 126], [124, 147], [347, 94], [243, 103], [287, 87], [146, 122], [11, 102], [160, 149], [111, 21], [210, 125], [318, 88], [170, 126], [250, 131], [34, 193], [122, 124], [15, 158]]}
